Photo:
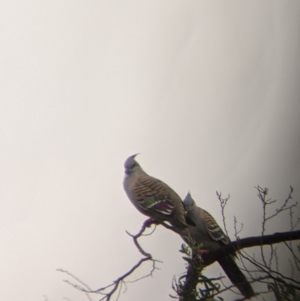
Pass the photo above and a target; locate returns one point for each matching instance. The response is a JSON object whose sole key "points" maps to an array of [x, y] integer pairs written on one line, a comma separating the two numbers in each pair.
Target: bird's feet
{"points": [[148, 222], [199, 255], [202, 251]]}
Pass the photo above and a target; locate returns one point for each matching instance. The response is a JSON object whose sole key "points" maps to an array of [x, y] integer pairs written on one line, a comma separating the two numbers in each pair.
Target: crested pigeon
{"points": [[154, 198], [208, 233]]}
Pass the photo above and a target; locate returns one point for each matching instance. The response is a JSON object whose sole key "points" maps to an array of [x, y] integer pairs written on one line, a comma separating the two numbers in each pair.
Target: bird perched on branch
{"points": [[208, 233], [154, 198]]}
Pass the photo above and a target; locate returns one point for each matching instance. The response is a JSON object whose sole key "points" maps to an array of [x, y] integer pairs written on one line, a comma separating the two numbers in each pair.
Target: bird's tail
{"points": [[236, 276]]}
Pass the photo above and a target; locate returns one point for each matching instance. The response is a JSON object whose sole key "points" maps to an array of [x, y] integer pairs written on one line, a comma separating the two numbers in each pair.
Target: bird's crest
{"points": [[188, 202], [130, 164]]}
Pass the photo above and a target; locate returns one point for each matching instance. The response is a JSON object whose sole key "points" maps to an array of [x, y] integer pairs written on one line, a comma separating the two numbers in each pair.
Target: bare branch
{"points": [[275, 275], [248, 242], [115, 287], [262, 194], [223, 203], [236, 231]]}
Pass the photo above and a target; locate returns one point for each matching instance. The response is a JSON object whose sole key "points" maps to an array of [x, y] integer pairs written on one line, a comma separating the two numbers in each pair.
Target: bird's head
{"points": [[188, 202], [131, 165]]}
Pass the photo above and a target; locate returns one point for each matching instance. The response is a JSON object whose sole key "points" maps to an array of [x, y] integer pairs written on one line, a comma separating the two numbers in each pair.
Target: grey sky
{"points": [[207, 91]]}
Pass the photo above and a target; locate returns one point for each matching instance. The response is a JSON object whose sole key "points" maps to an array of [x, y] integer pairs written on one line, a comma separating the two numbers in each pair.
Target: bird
{"points": [[208, 234], [154, 198]]}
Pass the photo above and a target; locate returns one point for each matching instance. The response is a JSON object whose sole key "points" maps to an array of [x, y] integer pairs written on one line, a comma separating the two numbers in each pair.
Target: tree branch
{"points": [[209, 258], [115, 287]]}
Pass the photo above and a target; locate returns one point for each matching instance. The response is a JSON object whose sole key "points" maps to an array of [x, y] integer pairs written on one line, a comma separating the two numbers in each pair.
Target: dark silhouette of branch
{"points": [[211, 257], [188, 291], [275, 275], [115, 287], [248, 242]]}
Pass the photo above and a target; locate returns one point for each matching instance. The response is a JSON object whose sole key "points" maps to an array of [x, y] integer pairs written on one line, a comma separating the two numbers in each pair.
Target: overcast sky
{"points": [[207, 91]]}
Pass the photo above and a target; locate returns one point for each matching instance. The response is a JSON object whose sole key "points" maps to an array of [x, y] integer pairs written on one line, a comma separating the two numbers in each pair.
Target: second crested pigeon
{"points": [[208, 233]]}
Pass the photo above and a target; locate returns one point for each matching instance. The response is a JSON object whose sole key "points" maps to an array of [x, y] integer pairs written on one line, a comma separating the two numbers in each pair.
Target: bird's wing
{"points": [[153, 194], [215, 232]]}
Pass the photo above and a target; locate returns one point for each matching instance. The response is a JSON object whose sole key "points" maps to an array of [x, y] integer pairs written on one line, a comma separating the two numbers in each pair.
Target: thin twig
{"points": [[223, 203], [115, 287]]}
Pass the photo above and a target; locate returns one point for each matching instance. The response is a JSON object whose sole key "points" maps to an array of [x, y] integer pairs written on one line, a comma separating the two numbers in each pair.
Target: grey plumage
{"points": [[208, 233], [153, 197]]}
